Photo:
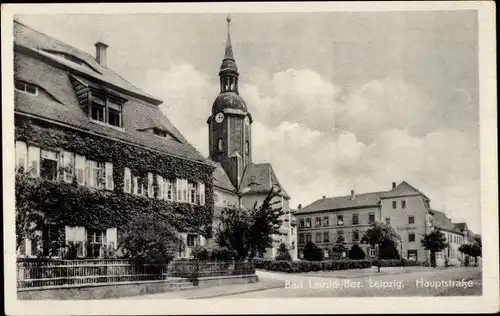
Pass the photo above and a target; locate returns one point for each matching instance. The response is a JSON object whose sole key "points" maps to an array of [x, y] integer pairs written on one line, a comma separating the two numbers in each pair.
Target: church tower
{"points": [[229, 124]]}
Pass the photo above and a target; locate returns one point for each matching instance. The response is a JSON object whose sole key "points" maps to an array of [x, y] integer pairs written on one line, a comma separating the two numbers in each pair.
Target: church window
{"points": [[220, 145]]}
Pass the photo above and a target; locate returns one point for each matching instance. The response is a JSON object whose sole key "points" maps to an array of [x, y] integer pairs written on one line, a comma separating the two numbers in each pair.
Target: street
{"points": [[413, 281]]}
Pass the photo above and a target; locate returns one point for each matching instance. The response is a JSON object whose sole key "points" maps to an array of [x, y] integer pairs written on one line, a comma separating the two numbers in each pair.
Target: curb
{"points": [[234, 293]]}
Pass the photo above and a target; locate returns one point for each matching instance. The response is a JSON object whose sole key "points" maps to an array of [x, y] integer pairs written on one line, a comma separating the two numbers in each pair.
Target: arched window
{"points": [[220, 145]]}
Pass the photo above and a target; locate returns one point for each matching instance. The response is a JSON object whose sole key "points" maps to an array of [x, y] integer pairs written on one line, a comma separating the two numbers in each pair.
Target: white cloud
{"points": [[322, 140]]}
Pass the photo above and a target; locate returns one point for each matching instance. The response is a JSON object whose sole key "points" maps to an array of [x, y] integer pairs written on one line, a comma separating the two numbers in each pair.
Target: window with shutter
{"points": [[150, 184], [109, 176], [69, 165], [127, 181], [160, 188], [21, 155], [34, 160], [79, 169], [49, 164], [202, 193]]}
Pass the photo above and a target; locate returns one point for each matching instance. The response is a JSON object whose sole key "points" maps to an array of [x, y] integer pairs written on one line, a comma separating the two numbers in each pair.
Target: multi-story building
{"points": [[101, 147], [238, 180], [404, 208]]}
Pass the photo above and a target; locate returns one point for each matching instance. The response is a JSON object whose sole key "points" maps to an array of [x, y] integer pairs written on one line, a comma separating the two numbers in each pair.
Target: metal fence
{"points": [[199, 268], [32, 274]]}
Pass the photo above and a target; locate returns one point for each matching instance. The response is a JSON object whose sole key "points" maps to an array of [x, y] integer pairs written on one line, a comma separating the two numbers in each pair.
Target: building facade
{"points": [[238, 180], [100, 149], [404, 208]]}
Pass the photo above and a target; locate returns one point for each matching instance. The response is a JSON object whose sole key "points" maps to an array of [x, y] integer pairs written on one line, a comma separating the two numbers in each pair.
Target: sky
{"points": [[340, 100]]}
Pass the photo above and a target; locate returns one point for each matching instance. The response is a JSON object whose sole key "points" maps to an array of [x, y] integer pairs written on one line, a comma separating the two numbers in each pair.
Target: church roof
{"points": [[260, 178], [229, 100], [221, 179], [228, 63]]}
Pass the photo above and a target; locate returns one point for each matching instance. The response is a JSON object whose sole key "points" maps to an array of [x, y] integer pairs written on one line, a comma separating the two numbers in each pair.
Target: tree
{"points": [[312, 252], [149, 238], [434, 241], [200, 253], [283, 254], [356, 253], [379, 235], [340, 246], [471, 250], [389, 250], [246, 233]]}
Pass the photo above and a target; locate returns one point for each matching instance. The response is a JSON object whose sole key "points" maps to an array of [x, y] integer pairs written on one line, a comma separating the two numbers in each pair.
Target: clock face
{"points": [[247, 121], [219, 117]]}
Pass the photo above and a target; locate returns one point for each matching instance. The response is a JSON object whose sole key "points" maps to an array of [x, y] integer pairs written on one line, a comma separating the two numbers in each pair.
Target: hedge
{"points": [[396, 263], [306, 266]]}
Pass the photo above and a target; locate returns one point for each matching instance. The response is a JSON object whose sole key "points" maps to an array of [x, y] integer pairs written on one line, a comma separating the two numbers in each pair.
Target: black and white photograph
{"points": [[161, 153]]}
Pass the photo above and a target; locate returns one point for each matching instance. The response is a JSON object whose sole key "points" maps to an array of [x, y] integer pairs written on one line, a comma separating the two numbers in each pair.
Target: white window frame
{"points": [[108, 176], [25, 85], [150, 185], [92, 170], [46, 154]]}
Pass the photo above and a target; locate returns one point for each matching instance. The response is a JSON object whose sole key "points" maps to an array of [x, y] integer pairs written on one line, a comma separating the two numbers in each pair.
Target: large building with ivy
{"points": [[238, 180], [100, 150]]}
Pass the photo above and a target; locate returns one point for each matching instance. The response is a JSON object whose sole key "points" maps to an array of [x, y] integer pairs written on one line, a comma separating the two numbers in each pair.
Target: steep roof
{"points": [[260, 178], [57, 101], [441, 221], [220, 177], [51, 48], [461, 226], [404, 188], [370, 199]]}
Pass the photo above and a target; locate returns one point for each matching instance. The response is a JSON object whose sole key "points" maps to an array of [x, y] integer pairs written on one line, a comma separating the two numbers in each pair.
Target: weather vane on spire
{"points": [[228, 19]]}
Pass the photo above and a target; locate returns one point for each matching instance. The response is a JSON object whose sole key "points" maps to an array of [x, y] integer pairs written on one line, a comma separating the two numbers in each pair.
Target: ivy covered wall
{"points": [[73, 205]]}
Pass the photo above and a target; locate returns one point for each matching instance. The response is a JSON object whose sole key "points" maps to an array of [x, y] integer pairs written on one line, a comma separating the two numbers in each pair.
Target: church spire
{"points": [[229, 47], [228, 70]]}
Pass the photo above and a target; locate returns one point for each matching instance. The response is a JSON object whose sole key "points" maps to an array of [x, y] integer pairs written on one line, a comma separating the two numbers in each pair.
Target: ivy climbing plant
{"points": [[73, 205]]}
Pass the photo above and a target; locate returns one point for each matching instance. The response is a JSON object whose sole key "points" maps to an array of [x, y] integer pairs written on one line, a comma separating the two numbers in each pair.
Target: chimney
{"points": [[300, 206], [100, 53], [353, 195], [393, 185]]}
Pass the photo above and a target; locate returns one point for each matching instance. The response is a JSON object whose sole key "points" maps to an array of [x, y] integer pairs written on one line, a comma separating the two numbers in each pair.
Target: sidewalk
{"points": [[214, 291]]}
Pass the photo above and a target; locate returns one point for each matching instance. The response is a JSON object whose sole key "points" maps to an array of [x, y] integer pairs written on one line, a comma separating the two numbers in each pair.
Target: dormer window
{"points": [[160, 132], [25, 87], [105, 109]]}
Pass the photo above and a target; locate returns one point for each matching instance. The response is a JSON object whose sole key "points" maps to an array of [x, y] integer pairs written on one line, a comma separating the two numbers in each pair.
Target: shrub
{"points": [[283, 254], [356, 253], [72, 251], [222, 253], [200, 253], [312, 252], [307, 266]]}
